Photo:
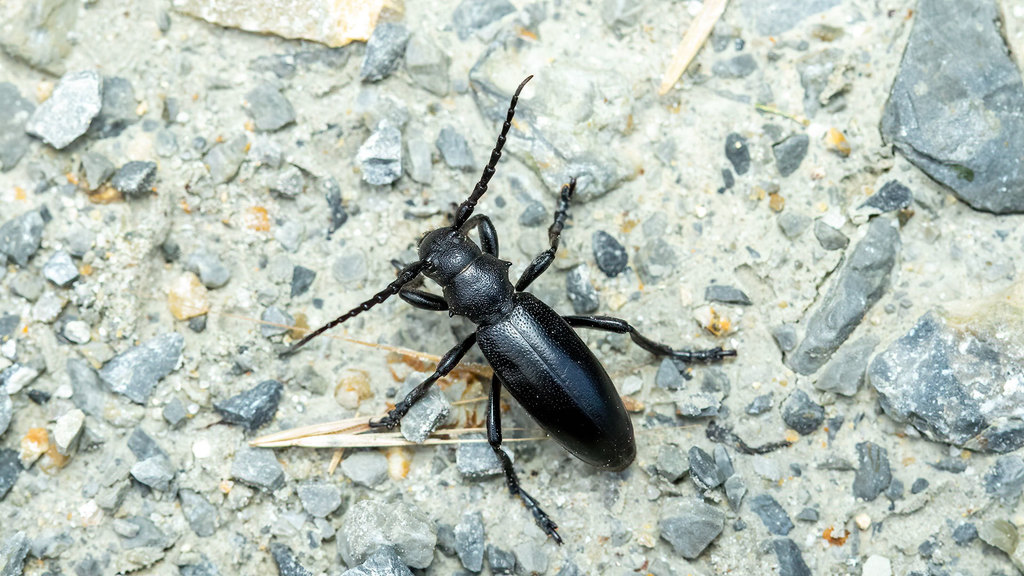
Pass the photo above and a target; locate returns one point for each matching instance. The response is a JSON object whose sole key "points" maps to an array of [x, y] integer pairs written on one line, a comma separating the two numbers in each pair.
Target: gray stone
{"points": [[117, 111], [368, 469], [156, 472], [1006, 479], [30, 286], [469, 541], [419, 164], [859, 285], [978, 154], [808, 515], [67, 113], [773, 17], [724, 462], [174, 413], [892, 196], [269, 109], [384, 51], [446, 539], [8, 323], [477, 459], [211, 270], [844, 373], [689, 525], [66, 430], [919, 485], [384, 562], [965, 533], [60, 270], [427, 64], [793, 224], [165, 143], [790, 153], [657, 258], [610, 255], [369, 525], [6, 412], [736, 67], [380, 156], [455, 150], [620, 15], [703, 470], [254, 407], [530, 558], [135, 372], [673, 463], [726, 295], [51, 545], [319, 499], [500, 561], [791, 561], [737, 152], [14, 114], [199, 512], [801, 413], [668, 376], [785, 336], [87, 393], [289, 183], [13, 552], [289, 234], [302, 279], [581, 291], [873, 473], [535, 214], [287, 563], [20, 236], [473, 15], [829, 237], [426, 414], [771, 513], [948, 375], [570, 569], [760, 404], [350, 267], [823, 76], [135, 179], [224, 159], [895, 490], [97, 169], [204, 568], [276, 322], [258, 468], [143, 446], [10, 468], [735, 490]]}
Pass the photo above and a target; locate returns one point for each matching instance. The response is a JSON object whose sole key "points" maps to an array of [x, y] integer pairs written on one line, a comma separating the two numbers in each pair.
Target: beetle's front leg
{"points": [[448, 363], [494, 438], [620, 326]]}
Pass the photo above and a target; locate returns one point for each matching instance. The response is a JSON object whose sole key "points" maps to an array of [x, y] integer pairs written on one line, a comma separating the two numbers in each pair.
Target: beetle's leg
{"points": [[494, 438], [423, 300], [619, 326], [544, 259], [448, 363], [488, 235]]}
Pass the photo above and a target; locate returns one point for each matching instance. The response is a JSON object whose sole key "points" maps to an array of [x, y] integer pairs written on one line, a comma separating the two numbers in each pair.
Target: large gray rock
{"points": [[860, 284], [961, 122], [136, 371], [67, 113], [690, 525], [370, 524], [954, 376], [14, 113]]}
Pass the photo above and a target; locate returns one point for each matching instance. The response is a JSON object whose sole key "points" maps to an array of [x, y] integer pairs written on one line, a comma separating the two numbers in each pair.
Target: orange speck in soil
{"points": [[257, 219], [835, 540], [19, 193]]}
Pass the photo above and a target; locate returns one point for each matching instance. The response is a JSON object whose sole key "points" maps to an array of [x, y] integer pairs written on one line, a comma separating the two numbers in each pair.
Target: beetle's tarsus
{"points": [[546, 523]]}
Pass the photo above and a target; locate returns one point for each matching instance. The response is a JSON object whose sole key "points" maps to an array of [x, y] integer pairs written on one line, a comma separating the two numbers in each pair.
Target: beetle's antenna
{"points": [[404, 277], [465, 210]]}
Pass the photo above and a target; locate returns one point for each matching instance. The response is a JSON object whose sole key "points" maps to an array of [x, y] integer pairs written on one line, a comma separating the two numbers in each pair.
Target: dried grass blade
{"points": [[692, 41]]}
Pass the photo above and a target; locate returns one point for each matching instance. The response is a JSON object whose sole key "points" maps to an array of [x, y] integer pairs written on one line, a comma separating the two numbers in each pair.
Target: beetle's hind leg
{"points": [[494, 438], [619, 326], [543, 260], [448, 363]]}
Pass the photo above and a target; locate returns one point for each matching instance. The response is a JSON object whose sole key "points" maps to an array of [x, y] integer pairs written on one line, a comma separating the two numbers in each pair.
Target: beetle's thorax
{"points": [[475, 284]]}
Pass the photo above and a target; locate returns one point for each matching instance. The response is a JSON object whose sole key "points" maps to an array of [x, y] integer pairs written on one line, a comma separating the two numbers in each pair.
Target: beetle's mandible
{"points": [[535, 353]]}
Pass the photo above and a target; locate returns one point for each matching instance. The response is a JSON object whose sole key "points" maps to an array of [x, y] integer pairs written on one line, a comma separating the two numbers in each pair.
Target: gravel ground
{"points": [[832, 190]]}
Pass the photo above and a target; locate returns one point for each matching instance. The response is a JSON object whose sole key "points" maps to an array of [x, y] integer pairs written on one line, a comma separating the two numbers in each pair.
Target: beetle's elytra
{"points": [[535, 353]]}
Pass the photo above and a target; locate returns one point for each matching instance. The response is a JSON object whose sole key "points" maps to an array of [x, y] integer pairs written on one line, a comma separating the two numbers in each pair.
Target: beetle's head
{"points": [[447, 251]]}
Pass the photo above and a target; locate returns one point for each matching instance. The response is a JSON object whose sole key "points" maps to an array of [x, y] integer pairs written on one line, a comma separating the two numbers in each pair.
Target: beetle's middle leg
{"points": [[544, 259], [619, 326], [494, 438], [448, 363]]}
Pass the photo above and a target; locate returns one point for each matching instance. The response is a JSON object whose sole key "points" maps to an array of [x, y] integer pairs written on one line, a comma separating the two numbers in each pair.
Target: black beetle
{"points": [[534, 352]]}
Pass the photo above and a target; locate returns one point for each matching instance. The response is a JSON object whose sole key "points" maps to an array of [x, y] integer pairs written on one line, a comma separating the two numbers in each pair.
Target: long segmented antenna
{"points": [[404, 277], [465, 209]]}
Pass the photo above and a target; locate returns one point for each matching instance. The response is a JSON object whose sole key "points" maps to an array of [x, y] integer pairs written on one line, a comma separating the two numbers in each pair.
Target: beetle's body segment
{"points": [[554, 376], [534, 352]]}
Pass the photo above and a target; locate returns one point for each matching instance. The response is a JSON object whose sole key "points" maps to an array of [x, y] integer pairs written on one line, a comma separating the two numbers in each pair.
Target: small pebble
{"points": [[668, 376], [726, 295], [801, 413], [156, 472], [736, 67], [97, 169], [455, 150], [877, 565], [873, 474], [581, 291], [17, 376], [287, 563], [269, 109], [427, 64], [384, 51], [703, 470], [427, 414], [224, 159], [174, 413], [469, 541], [77, 332], [791, 561], [419, 164], [135, 179], [370, 525], [673, 462], [136, 371], [478, 460], [771, 513], [919, 485], [21, 236], [368, 468], [319, 499], [10, 468], [211, 270], [735, 490], [535, 214], [6, 411], [14, 113], [187, 297], [254, 407], [258, 468], [199, 512], [785, 336], [760, 404], [862, 520], [530, 558], [67, 430], [828, 237], [1006, 478], [290, 183], [724, 462], [60, 269], [965, 533], [380, 156], [472, 15], [689, 525], [276, 322], [67, 113], [807, 515], [892, 196], [737, 152], [383, 562], [789, 153], [118, 109], [611, 256], [793, 224], [302, 279], [500, 561]]}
